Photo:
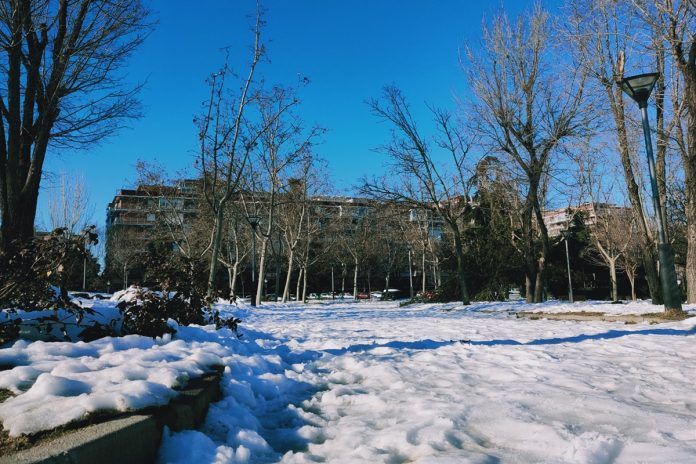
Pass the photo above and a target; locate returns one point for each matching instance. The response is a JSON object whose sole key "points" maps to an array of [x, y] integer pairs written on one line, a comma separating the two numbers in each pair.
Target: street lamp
{"points": [[254, 223], [639, 88], [333, 287], [410, 273], [565, 233]]}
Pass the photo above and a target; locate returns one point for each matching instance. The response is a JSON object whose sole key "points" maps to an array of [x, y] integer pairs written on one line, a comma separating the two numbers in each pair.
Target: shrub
{"points": [[31, 278], [181, 298]]}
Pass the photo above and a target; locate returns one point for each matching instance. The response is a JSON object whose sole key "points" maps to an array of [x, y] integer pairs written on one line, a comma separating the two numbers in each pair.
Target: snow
{"points": [[60, 382], [372, 382]]}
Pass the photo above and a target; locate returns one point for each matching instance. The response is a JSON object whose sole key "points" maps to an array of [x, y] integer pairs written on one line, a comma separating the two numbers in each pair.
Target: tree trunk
{"points": [[18, 215], [299, 281], [683, 49], [262, 271], [230, 282], [691, 247], [288, 277], [355, 281], [539, 282], [423, 275], [528, 287], [612, 278], [343, 279], [461, 271], [386, 282], [215, 251], [689, 162], [304, 286], [232, 274], [530, 277], [631, 274], [540, 287]]}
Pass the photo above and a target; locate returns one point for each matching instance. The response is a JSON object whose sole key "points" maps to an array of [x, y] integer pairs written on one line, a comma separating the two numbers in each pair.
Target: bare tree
{"points": [[283, 145], [291, 221], [62, 88], [357, 228], [420, 178], [125, 251], [611, 235], [69, 204], [630, 259], [603, 34], [674, 25], [527, 105], [236, 246], [228, 134]]}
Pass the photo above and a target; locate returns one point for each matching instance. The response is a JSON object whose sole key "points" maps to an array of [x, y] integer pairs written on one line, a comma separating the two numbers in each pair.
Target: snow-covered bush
{"points": [[31, 272], [32, 297], [181, 298]]}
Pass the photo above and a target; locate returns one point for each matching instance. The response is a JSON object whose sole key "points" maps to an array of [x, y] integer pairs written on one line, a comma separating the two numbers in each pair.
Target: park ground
{"points": [[374, 382]]}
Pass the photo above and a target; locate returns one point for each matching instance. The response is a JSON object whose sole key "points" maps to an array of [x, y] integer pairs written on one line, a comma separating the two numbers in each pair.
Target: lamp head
{"points": [[254, 221], [639, 87]]}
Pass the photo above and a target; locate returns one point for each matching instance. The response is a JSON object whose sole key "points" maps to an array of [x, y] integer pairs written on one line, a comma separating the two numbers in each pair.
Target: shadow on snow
{"points": [[435, 344]]}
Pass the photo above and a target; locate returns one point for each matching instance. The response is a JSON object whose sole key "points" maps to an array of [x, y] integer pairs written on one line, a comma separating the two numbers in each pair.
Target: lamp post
{"points": [[277, 277], [410, 273], [566, 235], [84, 265], [333, 287], [254, 223], [639, 88]]}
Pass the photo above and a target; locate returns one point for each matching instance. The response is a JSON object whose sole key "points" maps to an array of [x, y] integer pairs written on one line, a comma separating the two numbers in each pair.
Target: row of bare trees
{"points": [[545, 104]]}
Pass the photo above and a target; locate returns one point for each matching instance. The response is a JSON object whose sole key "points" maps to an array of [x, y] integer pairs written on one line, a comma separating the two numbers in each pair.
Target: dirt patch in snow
{"points": [[652, 318]]}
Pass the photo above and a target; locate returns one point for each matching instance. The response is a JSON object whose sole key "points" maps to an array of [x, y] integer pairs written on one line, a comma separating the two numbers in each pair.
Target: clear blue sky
{"points": [[348, 49]]}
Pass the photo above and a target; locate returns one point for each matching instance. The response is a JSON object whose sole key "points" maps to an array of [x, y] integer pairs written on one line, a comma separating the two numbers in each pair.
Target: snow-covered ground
{"points": [[59, 382], [370, 382]]}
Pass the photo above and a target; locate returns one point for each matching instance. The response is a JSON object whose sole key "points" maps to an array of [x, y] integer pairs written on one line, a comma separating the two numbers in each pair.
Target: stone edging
{"points": [[132, 438]]}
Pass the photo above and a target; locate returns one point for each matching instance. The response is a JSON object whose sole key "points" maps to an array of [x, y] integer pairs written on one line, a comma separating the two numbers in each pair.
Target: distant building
{"points": [[133, 213], [557, 220]]}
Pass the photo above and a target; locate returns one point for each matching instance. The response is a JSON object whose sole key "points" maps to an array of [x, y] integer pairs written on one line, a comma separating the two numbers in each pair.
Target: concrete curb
{"points": [[134, 438]]}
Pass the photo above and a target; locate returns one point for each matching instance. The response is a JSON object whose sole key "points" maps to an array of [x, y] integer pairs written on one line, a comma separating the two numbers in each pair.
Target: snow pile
{"points": [[348, 382], [128, 295], [60, 382]]}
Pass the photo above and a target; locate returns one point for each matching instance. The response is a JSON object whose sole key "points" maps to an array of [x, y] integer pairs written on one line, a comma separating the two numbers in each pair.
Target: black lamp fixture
{"points": [[254, 221], [639, 87]]}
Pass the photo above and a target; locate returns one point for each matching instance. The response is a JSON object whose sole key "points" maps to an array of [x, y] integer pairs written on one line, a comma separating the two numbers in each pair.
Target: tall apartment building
{"points": [[133, 213], [557, 220]]}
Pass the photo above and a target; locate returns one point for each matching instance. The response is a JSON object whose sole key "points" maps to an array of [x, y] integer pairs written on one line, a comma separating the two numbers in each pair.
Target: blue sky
{"points": [[348, 49]]}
